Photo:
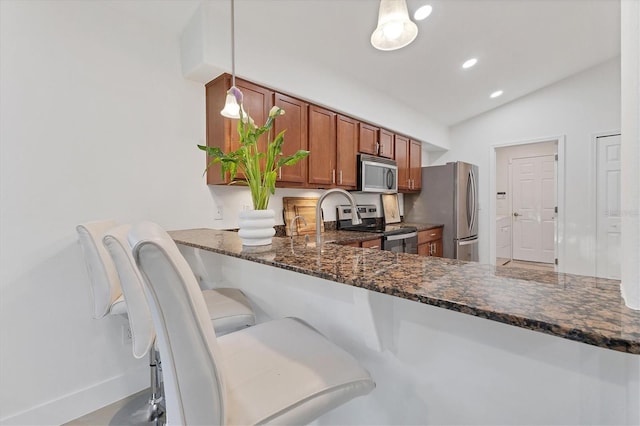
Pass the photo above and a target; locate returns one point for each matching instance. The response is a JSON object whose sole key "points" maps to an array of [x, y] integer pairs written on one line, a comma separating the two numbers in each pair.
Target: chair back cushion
{"points": [[142, 332], [194, 387], [105, 286]]}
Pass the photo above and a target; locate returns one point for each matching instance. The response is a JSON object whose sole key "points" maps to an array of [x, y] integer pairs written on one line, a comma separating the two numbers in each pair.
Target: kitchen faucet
{"points": [[355, 217]]}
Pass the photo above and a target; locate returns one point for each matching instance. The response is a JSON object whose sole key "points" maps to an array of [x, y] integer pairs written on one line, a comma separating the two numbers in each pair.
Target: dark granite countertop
{"points": [[579, 308]]}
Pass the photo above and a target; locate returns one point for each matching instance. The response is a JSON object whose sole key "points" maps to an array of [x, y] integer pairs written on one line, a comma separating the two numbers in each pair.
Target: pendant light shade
{"points": [[395, 30], [231, 107]]}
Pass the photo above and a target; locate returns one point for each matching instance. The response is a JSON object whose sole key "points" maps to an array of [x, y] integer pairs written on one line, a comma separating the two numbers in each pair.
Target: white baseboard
{"points": [[71, 406]]}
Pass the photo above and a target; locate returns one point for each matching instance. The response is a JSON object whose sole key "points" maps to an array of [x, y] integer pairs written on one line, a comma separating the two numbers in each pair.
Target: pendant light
{"points": [[231, 108], [395, 30]]}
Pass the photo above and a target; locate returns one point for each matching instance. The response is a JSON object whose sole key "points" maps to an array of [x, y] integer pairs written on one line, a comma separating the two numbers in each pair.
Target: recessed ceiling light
{"points": [[423, 12], [496, 94], [469, 63]]}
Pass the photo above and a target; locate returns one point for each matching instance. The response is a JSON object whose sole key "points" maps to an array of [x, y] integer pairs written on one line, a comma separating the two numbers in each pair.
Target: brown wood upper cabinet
{"points": [[368, 139], [294, 121], [346, 152], [333, 142], [402, 160], [375, 141], [386, 147], [415, 164], [322, 147], [222, 132], [409, 160]]}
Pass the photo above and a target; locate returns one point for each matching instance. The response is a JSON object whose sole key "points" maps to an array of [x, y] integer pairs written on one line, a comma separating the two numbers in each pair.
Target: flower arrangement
{"points": [[259, 168]]}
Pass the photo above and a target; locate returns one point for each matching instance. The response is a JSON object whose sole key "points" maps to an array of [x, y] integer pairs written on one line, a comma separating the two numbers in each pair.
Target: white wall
{"points": [[577, 108], [97, 122], [630, 146]]}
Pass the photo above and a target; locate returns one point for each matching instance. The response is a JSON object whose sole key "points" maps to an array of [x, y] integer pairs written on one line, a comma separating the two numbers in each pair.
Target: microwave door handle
{"points": [[389, 179]]}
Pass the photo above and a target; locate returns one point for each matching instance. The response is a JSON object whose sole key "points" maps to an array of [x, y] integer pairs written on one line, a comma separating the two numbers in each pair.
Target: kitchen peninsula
{"points": [[580, 364]]}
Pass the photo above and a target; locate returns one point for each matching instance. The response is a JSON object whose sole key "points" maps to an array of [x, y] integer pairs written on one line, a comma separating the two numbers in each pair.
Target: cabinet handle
{"points": [[280, 173], [377, 147], [340, 177], [333, 175]]}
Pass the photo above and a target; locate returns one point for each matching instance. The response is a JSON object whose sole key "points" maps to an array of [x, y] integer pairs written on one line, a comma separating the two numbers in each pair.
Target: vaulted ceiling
{"points": [[521, 45]]}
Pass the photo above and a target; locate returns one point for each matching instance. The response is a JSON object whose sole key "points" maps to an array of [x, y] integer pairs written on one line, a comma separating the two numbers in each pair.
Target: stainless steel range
{"points": [[397, 237]]}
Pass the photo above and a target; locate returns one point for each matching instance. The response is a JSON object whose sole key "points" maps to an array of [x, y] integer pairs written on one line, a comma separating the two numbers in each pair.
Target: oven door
{"points": [[401, 243]]}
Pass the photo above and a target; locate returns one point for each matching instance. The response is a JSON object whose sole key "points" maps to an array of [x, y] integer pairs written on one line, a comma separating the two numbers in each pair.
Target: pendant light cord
{"points": [[233, 45]]}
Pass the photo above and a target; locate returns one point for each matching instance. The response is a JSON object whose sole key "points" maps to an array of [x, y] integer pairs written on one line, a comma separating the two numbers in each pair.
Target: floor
{"points": [[105, 415], [508, 263]]}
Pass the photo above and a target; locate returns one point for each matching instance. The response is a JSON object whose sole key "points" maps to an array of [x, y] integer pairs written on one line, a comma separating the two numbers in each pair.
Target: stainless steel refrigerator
{"points": [[449, 196]]}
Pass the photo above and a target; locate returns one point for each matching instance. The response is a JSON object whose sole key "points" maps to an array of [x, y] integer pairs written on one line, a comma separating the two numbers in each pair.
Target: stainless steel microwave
{"points": [[377, 174]]}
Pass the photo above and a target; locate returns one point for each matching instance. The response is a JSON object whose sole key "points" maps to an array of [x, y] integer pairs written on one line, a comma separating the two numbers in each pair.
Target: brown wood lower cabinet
{"points": [[430, 242], [372, 244]]}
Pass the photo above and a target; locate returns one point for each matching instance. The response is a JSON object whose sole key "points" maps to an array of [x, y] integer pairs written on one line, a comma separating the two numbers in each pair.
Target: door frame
{"points": [[593, 195], [560, 184]]}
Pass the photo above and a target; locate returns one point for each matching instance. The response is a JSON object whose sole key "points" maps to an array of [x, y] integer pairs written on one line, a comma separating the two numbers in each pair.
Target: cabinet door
{"points": [[415, 165], [322, 147], [368, 139], [437, 250], [257, 101], [424, 249], [373, 244], [402, 159], [346, 151], [294, 121], [386, 147]]}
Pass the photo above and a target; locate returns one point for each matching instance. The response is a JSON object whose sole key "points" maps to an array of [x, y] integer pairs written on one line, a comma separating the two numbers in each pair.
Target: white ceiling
{"points": [[521, 45]]}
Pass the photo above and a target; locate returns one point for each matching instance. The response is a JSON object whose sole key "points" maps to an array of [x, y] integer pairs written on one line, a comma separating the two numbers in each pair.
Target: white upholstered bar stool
{"points": [[228, 309], [281, 371]]}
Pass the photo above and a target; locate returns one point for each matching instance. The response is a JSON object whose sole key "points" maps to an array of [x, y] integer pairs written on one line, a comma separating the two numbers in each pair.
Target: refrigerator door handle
{"points": [[473, 200], [469, 201]]}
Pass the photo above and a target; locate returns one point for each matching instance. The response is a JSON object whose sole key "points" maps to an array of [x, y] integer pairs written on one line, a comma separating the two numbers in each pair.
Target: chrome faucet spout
{"points": [[355, 217], [292, 227]]}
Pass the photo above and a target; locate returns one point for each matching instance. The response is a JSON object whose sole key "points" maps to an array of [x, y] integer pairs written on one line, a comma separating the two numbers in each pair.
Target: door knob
{"points": [[516, 214]]}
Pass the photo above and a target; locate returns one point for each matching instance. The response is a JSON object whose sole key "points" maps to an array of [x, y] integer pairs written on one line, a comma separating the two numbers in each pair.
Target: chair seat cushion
{"points": [[286, 363], [229, 310]]}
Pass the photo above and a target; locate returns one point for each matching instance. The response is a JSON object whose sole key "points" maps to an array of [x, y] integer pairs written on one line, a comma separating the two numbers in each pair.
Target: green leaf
{"points": [[290, 160]]}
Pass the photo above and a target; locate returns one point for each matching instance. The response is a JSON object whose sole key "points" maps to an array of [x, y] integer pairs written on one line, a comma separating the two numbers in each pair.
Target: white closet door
{"points": [[608, 207]]}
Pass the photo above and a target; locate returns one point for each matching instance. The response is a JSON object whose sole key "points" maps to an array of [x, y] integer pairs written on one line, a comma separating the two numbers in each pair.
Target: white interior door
{"points": [[533, 206], [608, 207]]}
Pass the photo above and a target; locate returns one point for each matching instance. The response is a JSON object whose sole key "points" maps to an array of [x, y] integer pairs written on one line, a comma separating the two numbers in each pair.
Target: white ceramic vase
{"points": [[256, 227]]}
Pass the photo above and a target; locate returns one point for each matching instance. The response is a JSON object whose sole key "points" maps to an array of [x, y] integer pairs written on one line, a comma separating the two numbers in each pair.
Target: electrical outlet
{"points": [[218, 213], [127, 337]]}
